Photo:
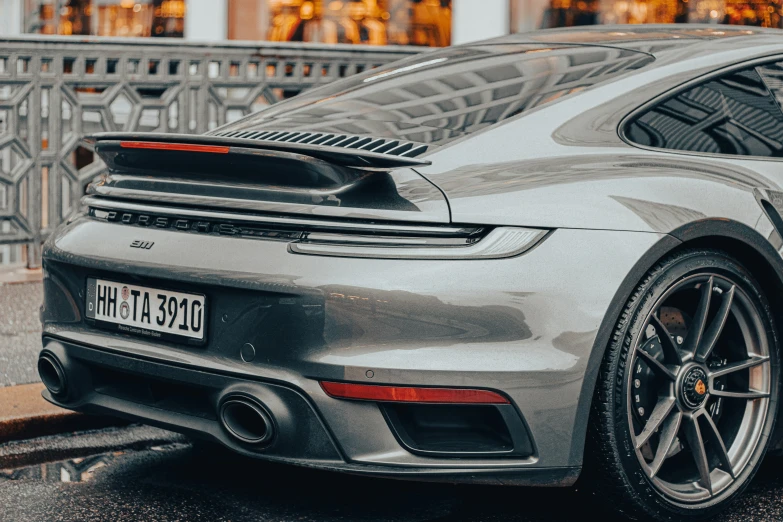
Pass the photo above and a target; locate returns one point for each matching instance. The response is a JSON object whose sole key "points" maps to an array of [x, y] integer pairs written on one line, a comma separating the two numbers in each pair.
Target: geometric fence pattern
{"points": [[55, 90]]}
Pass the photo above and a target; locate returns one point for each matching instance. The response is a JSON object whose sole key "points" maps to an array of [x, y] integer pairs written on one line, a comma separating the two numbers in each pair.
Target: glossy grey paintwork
{"points": [[533, 327]]}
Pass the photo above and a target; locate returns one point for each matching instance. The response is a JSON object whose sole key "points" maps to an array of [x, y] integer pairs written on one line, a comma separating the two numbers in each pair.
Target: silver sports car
{"points": [[513, 262]]}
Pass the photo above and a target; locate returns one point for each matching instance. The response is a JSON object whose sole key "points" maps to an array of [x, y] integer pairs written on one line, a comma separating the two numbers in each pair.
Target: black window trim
{"points": [[685, 86]]}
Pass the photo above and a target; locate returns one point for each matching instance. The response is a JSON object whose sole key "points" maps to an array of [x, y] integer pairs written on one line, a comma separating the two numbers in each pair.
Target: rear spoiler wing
{"points": [[345, 157]]}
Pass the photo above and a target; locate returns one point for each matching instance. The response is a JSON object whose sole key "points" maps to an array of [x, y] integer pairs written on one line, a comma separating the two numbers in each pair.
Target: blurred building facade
{"points": [[433, 23]]}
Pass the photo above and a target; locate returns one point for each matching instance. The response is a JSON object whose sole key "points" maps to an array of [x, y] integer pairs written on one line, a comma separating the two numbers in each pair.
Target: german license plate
{"points": [[141, 310]]}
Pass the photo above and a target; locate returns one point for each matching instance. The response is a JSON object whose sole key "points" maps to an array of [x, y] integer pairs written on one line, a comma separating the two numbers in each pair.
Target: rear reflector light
{"points": [[181, 147], [364, 392]]}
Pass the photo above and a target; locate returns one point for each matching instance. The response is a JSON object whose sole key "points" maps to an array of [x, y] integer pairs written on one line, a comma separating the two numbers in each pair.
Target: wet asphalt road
{"points": [[172, 481]]}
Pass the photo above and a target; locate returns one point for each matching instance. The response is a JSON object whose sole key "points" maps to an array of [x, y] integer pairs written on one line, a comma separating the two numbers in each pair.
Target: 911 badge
{"points": [[144, 245]]}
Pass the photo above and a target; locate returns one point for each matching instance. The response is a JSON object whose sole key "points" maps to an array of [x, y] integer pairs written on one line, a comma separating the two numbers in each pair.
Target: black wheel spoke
{"points": [[655, 365], [667, 437], [717, 443], [670, 349], [659, 414], [710, 338], [696, 443], [699, 318]]}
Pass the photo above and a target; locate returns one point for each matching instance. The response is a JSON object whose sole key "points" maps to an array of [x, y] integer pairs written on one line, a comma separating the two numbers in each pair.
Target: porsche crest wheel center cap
{"points": [[693, 388]]}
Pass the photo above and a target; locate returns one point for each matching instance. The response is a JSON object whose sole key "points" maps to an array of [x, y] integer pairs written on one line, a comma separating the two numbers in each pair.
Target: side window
{"points": [[734, 114]]}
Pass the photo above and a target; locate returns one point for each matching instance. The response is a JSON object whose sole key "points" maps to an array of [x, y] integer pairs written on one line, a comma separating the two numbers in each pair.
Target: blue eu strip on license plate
{"points": [[145, 311]]}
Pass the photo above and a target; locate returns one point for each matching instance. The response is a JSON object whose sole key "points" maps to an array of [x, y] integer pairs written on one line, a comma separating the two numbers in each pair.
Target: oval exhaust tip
{"points": [[52, 374], [246, 420]]}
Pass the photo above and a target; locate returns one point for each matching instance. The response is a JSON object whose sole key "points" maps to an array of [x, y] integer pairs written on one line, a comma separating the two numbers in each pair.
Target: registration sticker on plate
{"points": [[150, 312]]}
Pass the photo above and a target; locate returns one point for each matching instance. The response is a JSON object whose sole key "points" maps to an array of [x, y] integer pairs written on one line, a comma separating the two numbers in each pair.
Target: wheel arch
{"points": [[743, 243]]}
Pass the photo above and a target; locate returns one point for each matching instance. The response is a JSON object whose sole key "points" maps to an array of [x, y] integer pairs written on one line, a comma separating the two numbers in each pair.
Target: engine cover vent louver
{"points": [[390, 147]]}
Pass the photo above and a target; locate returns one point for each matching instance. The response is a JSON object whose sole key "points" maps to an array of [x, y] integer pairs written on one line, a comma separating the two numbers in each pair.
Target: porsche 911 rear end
{"points": [[344, 336], [295, 290], [456, 267]]}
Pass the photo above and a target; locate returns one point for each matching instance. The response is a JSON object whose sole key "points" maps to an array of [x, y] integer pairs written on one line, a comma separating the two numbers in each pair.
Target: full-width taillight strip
{"points": [[181, 147], [365, 392]]}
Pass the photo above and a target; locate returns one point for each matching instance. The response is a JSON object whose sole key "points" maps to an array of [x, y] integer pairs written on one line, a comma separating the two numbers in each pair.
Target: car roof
{"points": [[414, 99], [437, 97], [619, 34], [655, 39]]}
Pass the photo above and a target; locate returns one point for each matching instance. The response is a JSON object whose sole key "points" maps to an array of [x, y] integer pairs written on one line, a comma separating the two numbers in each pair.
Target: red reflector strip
{"points": [[365, 392], [181, 147]]}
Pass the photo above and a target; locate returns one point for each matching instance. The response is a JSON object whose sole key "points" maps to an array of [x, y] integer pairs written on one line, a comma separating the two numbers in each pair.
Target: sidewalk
{"points": [[20, 328], [24, 414]]}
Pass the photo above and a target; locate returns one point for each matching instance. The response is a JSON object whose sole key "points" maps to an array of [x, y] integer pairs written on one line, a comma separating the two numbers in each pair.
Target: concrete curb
{"points": [[24, 414]]}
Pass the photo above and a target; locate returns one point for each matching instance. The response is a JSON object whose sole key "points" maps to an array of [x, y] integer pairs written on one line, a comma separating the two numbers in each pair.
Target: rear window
{"points": [[437, 97]]}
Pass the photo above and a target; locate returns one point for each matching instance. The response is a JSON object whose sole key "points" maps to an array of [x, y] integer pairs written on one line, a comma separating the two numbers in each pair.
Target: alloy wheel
{"points": [[699, 388]]}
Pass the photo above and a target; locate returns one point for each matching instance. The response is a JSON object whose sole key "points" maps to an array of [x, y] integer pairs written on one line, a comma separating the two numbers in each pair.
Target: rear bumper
{"points": [[191, 403], [525, 327]]}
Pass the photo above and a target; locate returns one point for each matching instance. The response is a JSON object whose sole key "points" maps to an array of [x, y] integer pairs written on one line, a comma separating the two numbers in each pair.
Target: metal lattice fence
{"points": [[55, 90]]}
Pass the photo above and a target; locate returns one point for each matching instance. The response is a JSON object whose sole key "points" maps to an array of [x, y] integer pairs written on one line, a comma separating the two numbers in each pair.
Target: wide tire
{"points": [[687, 392]]}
